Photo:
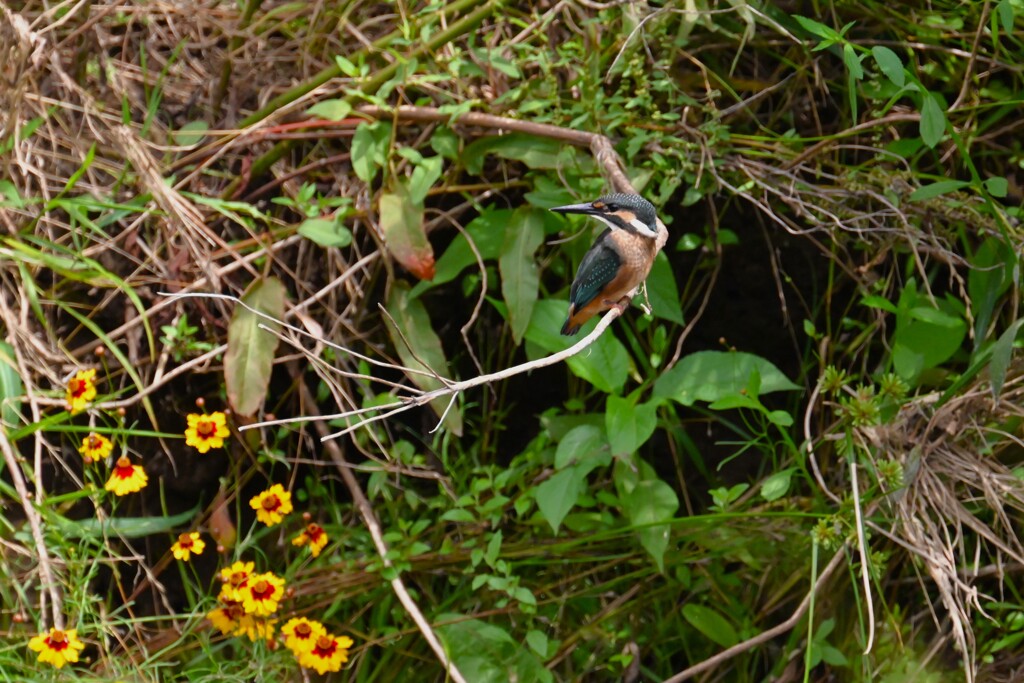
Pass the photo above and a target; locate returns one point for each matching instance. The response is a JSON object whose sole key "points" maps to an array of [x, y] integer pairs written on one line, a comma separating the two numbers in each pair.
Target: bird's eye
{"points": [[612, 208]]}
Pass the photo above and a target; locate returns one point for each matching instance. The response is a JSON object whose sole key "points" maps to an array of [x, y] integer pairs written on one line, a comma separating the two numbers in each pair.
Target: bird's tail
{"points": [[571, 326]]}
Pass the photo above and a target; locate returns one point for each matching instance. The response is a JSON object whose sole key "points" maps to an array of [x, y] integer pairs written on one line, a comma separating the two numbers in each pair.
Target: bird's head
{"points": [[629, 212]]}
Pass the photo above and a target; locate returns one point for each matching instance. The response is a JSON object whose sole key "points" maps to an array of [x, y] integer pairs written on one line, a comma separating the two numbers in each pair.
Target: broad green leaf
{"points": [[585, 447], [445, 142], [412, 319], [11, 388], [711, 375], [1006, 12], [924, 340], [250, 356], [628, 425], [327, 232], [712, 624], [933, 120], [663, 292], [486, 653], [650, 503], [192, 133], [556, 496], [401, 221], [997, 186], [424, 175], [937, 189], [890, 64], [538, 642], [369, 149], [332, 110], [519, 274], [488, 234], [605, 363], [776, 486], [535, 152]]}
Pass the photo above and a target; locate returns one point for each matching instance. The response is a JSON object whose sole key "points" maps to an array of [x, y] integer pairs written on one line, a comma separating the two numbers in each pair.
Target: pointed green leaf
{"points": [[933, 120], [890, 64], [519, 275], [369, 149], [11, 388], [711, 624], [332, 110], [250, 356], [663, 292], [650, 503], [584, 446], [629, 426], [711, 375], [327, 232], [556, 496]]}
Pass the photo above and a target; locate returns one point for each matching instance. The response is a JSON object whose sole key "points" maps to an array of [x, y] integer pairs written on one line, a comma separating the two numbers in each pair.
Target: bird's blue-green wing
{"points": [[599, 266]]}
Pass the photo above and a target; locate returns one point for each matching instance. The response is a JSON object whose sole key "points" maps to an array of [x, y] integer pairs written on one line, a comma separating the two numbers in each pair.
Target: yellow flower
{"points": [[188, 545], [301, 634], [81, 390], [235, 578], [57, 647], [314, 536], [126, 477], [328, 653], [261, 594], [95, 447], [272, 505], [256, 629], [227, 618], [206, 431]]}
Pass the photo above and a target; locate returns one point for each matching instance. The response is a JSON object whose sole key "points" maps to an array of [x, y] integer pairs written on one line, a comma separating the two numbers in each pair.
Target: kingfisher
{"points": [[614, 267]]}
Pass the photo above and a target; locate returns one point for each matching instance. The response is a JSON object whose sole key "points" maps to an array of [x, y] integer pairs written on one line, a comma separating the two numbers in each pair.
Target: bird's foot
{"points": [[622, 304]]}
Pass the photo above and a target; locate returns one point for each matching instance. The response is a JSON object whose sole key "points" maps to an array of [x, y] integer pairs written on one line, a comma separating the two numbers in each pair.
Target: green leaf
{"points": [[192, 133], [997, 186], [605, 363], [826, 33], [557, 495], [424, 175], [346, 67], [852, 62], [925, 337], [936, 189], [776, 486], [663, 292], [1002, 350], [486, 653], [628, 425], [125, 527], [11, 388], [538, 642], [650, 503], [711, 375], [250, 356], [401, 221], [487, 231], [534, 152], [584, 446], [414, 323], [890, 64], [332, 110], [1006, 12], [519, 274], [327, 232], [445, 142], [933, 120], [369, 149], [988, 279], [712, 624]]}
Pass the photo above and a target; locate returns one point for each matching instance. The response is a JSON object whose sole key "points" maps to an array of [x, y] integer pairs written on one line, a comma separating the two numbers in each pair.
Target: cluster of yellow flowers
{"points": [[248, 600]]}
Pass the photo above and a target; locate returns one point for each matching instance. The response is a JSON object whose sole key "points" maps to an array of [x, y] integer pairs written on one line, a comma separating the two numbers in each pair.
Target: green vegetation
{"points": [[804, 464]]}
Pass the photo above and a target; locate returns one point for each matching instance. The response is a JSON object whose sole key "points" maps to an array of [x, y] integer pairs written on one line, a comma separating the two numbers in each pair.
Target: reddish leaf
{"points": [[401, 220]]}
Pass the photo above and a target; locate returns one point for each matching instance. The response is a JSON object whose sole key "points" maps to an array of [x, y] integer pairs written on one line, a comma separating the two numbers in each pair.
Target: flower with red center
{"points": [[235, 578], [95, 447], [261, 594], [228, 617], [206, 431], [327, 654], [187, 545], [81, 390], [126, 477], [57, 647], [314, 536], [272, 505], [301, 634]]}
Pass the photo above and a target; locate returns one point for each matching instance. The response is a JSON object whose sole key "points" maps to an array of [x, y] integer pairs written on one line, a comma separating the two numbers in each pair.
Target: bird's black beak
{"points": [[585, 208]]}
